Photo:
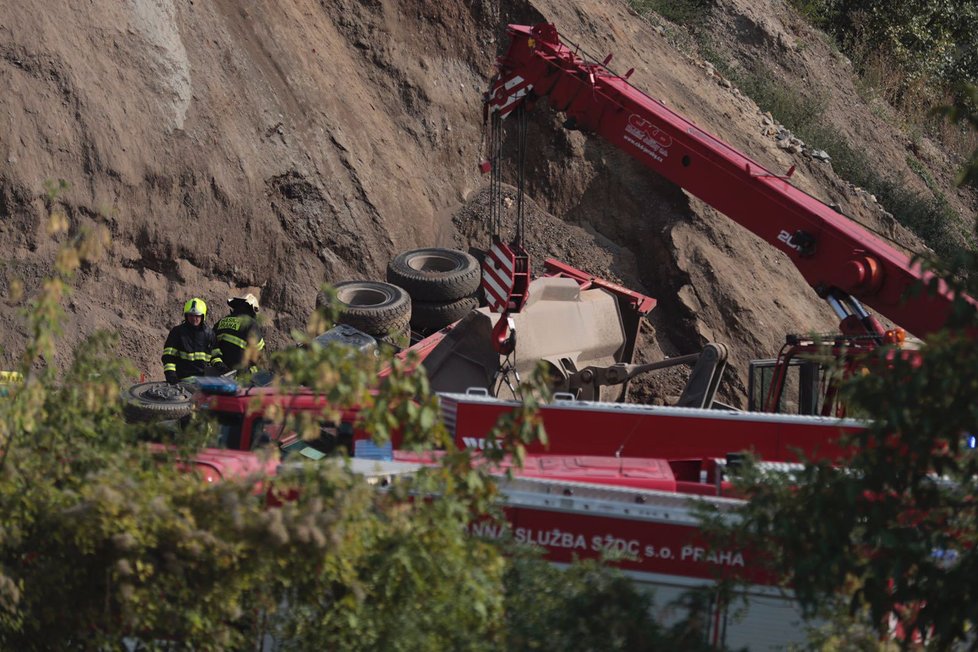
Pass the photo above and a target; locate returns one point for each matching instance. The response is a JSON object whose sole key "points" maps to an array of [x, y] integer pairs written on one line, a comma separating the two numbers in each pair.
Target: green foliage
{"points": [[405, 577], [820, 12], [914, 164], [965, 110], [932, 218], [892, 534], [916, 55], [541, 596], [589, 607], [837, 630], [106, 539], [682, 12], [895, 529], [793, 108], [932, 40]]}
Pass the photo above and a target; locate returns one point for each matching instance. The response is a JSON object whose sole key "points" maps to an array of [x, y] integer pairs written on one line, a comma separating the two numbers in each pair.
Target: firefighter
{"points": [[239, 338], [189, 345]]}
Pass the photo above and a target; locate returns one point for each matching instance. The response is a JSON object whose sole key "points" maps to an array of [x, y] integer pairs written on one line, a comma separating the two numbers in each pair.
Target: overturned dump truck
{"points": [[583, 328]]}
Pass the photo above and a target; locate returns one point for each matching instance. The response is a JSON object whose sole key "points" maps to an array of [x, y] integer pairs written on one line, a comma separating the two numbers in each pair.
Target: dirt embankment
{"points": [[273, 146]]}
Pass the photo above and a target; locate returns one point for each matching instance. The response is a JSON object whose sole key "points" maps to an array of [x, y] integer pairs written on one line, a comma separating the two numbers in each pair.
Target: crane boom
{"points": [[842, 261]]}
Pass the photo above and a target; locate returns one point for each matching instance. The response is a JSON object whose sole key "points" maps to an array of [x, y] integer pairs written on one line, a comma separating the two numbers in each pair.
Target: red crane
{"points": [[845, 264]]}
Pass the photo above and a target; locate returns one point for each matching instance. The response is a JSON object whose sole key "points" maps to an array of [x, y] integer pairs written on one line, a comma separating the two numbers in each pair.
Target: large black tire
{"points": [[435, 274], [156, 401], [372, 307], [400, 339], [428, 317]]}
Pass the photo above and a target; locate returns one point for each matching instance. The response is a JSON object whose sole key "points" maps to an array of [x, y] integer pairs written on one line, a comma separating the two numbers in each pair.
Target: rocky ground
{"points": [[270, 147]]}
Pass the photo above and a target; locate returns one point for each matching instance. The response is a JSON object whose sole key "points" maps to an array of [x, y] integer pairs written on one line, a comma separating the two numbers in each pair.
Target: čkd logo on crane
{"points": [[639, 126]]}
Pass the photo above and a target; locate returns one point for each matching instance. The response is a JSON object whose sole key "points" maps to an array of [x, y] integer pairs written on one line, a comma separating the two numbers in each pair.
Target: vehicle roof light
{"points": [[895, 336], [216, 385]]}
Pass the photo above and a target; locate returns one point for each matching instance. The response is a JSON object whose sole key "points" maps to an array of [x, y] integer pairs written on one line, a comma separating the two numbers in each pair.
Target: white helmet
{"points": [[248, 299]]}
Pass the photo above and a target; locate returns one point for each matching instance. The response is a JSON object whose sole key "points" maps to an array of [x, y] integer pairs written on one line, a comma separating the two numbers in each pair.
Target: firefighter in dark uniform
{"points": [[239, 338], [189, 345]]}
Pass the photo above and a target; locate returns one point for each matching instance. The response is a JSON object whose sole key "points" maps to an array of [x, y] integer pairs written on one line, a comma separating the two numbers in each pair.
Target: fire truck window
{"points": [[332, 438], [800, 394], [789, 395], [229, 431], [263, 433], [301, 447], [326, 441], [761, 377]]}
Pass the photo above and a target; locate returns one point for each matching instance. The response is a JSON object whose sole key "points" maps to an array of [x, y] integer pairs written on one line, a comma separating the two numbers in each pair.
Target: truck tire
{"points": [[373, 307], [399, 339], [435, 274], [427, 316], [155, 401]]}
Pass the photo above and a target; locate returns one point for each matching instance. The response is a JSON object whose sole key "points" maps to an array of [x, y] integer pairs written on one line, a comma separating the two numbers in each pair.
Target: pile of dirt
{"points": [[271, 147]]}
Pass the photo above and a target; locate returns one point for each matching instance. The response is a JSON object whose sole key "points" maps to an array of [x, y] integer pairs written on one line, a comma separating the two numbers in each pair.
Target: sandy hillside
{"points": [[274, 146]]}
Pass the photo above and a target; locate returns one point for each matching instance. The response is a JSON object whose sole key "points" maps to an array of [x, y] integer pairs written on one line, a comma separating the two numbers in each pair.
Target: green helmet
{"points": [[195, 307]]}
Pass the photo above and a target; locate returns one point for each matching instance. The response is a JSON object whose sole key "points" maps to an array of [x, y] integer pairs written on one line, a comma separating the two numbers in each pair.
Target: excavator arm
{"points": [[845, 264]]}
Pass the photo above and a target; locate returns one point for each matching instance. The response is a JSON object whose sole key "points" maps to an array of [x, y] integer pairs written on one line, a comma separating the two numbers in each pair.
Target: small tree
{"points": [[894, 533], [930, 41], [965, 110], [106, 541]]}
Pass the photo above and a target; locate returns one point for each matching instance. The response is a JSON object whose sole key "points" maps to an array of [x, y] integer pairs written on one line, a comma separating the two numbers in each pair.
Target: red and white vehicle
{"points": [[641, 513], [615, 430], [625, 489]]}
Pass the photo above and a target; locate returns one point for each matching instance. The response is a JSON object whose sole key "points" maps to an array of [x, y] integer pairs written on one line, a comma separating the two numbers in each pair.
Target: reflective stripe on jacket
{"points": [[233, 335], [187, 351]]}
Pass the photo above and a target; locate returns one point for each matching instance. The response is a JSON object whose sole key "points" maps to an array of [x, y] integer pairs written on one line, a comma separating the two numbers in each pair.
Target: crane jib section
{"points": [[836, 256]]}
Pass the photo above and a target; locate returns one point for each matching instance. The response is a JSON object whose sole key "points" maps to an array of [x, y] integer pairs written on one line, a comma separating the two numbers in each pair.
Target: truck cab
{"points": [[249, 418], [806, 376]]}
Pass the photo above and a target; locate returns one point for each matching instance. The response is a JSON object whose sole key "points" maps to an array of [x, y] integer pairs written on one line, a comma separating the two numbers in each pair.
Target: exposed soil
{"points": [[271, 147]]}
